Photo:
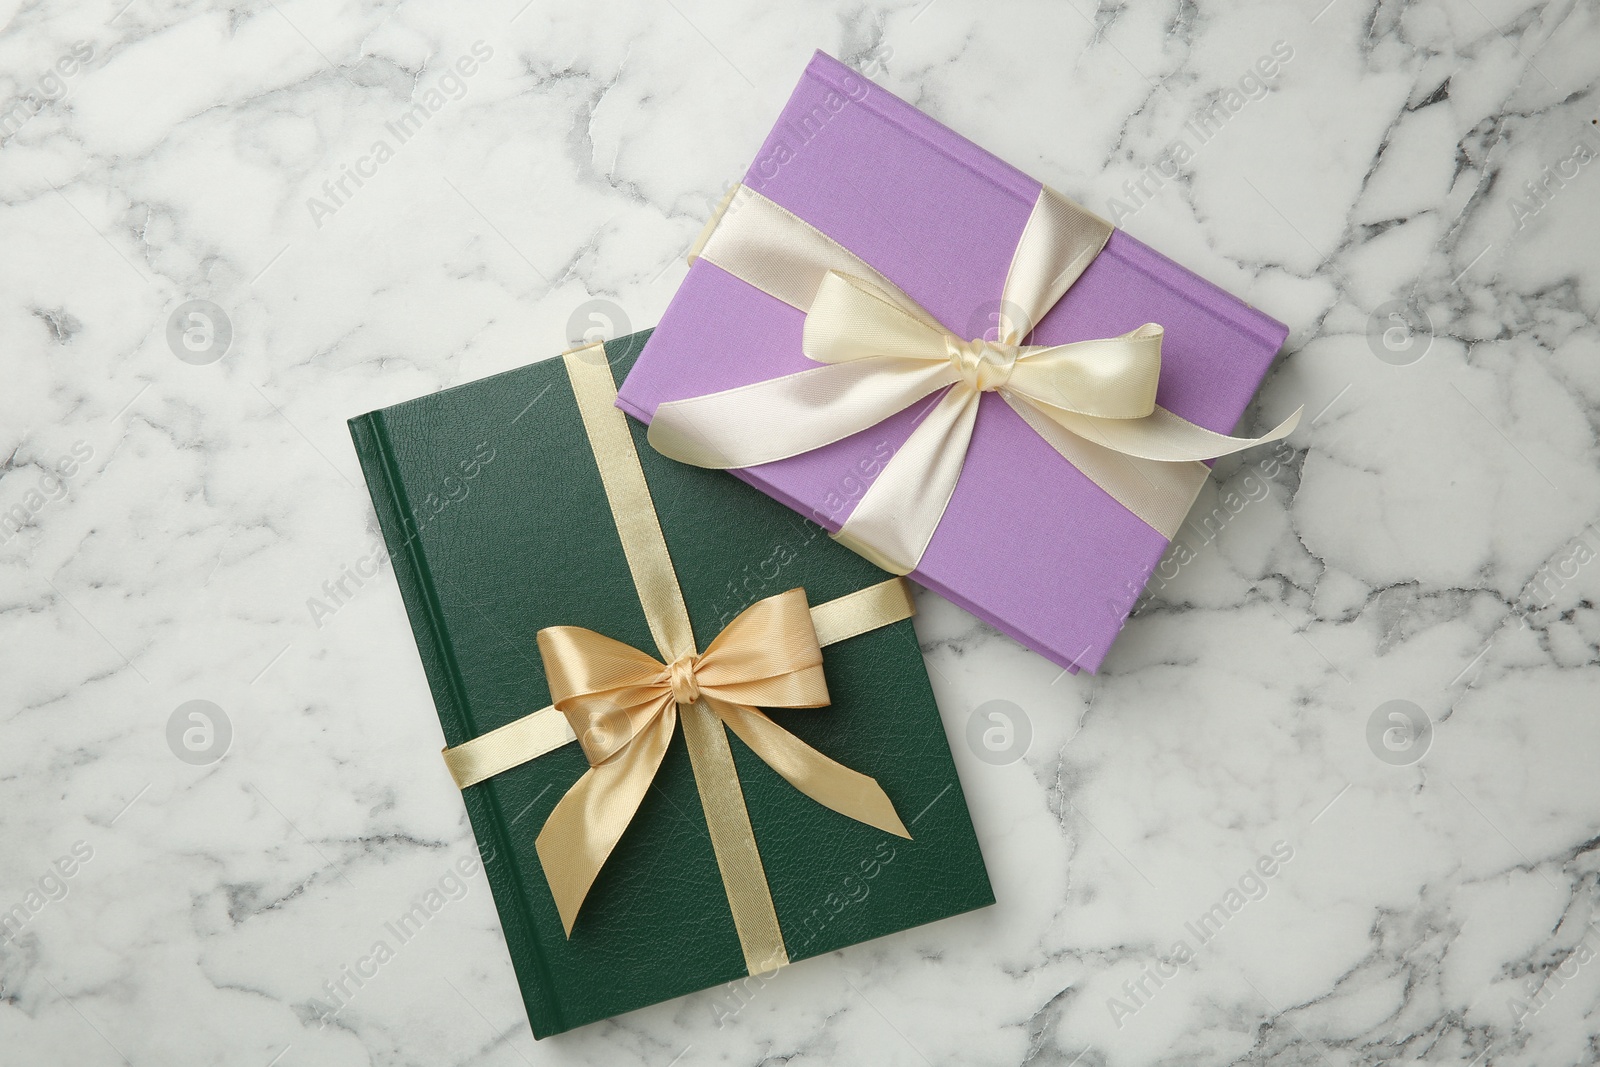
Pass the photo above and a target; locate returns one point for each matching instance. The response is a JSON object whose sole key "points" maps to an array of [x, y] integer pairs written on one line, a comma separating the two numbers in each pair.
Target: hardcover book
{"points": [[498, 525], [1028, 543]]}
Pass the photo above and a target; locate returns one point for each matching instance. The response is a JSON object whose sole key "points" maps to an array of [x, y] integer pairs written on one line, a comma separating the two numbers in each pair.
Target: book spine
{"points": [[401, 534]]}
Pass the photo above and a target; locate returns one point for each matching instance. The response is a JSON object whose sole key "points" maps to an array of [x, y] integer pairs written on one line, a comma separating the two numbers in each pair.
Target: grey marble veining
{"points": [[1331, 801]]}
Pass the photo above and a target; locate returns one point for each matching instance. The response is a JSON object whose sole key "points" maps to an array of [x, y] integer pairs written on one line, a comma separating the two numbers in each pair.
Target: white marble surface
{"points": [[1426, 540]]}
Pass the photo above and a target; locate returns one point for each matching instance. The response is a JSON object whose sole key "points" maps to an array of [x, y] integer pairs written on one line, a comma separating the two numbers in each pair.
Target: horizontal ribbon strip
{"points": [[1092, 401]]}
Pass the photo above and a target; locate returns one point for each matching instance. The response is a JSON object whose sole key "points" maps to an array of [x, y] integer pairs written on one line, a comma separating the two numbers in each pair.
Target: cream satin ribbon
{"points": [[1091, 401], [622, 705]]}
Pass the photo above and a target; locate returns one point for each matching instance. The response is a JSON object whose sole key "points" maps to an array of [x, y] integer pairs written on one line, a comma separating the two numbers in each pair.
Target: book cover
{"points": [[491, 504]]}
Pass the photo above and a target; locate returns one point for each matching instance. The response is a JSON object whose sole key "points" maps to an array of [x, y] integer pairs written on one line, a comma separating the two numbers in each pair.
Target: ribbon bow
{"points": [[1092, 401], [623, 706]]}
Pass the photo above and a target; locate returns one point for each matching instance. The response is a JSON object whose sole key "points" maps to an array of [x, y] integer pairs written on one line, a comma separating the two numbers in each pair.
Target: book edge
{"points": [[375, 455]]}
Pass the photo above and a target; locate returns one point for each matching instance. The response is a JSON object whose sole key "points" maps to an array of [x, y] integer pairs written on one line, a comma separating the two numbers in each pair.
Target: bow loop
{"points": [[609, 691], [767, 656], [1106, 378], [853, 319]]}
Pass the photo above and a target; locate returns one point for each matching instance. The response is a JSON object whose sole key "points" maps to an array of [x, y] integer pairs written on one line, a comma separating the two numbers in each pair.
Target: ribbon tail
{"points": [[589, 820], [831, 784], [1166, 437], [782, 417], [1159, 494], [898, 514]]}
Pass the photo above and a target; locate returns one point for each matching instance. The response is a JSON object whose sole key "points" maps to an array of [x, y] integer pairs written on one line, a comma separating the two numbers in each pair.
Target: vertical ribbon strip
{"points": [[732, 838]]}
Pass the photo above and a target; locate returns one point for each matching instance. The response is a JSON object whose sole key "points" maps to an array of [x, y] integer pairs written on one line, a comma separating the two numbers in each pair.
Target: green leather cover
{"points": [[497, 525]]}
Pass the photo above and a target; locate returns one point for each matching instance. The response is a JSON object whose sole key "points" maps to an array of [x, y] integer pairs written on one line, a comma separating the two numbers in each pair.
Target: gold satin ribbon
{"points": [[1092, 401], [622, 705]]}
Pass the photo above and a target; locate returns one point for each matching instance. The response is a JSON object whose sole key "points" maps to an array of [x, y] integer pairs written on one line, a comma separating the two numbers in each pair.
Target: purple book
{"points": [[1057, 568]]}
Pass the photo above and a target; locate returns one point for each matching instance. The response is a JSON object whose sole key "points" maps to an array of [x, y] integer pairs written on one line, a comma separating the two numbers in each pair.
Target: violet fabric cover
{"points": [[1028, 543]]}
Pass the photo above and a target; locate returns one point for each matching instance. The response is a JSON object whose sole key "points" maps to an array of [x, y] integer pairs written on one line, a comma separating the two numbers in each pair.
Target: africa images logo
{"points": [[791, 136], [1254, 84], [337, 191], [51, 86]]}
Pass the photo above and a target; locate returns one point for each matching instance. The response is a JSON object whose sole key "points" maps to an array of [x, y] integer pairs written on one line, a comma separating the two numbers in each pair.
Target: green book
{"points": [[498, 525]]}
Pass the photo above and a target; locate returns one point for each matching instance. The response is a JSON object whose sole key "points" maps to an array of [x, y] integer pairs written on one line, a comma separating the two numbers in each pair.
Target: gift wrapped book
{"points": [[695, 738], [963, 375]]}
